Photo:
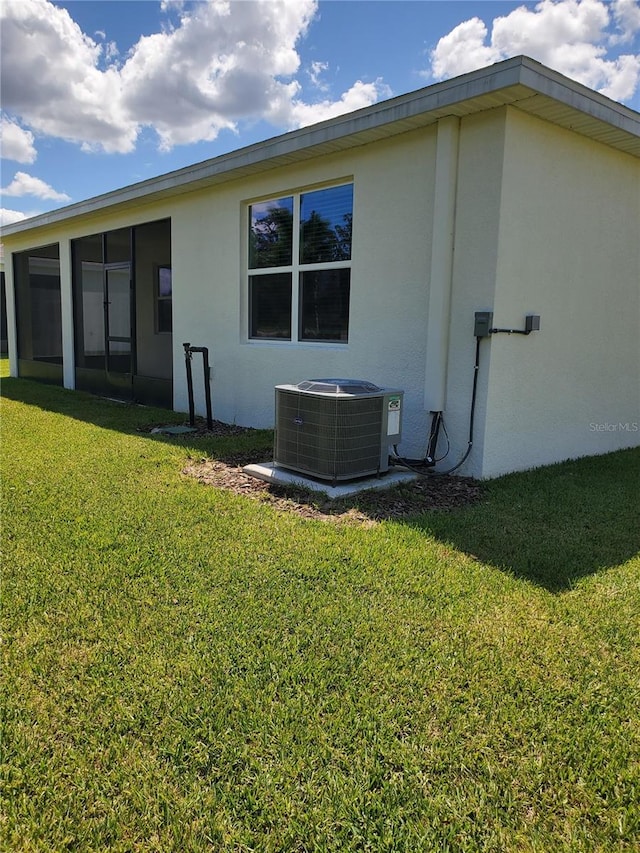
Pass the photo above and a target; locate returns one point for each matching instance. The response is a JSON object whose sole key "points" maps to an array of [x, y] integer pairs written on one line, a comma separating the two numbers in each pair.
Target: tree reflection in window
{"points": [[271, 234], [325, 225], [306, 238]]}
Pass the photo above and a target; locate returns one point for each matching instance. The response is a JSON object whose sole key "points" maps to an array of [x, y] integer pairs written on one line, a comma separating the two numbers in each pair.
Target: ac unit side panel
{"points": [[333, 438]]}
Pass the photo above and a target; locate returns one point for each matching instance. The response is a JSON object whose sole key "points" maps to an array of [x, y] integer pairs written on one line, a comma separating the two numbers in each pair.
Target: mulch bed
{"points": [[427, 493]]}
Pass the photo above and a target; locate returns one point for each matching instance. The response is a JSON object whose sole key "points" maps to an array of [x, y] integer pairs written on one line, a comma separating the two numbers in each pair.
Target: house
{"points": [[370, 246]]}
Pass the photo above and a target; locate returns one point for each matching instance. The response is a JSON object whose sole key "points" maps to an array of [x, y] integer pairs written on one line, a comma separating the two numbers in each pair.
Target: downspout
{"points": [[441, 270]]}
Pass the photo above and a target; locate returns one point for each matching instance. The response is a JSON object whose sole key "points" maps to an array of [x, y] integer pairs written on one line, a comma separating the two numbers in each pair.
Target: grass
{"points": [[186, 669]]}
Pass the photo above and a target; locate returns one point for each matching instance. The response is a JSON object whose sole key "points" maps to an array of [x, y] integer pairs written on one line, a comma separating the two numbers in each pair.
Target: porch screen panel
{"points": [[118, 246], [88, 301], [93, 340], [154, 290], [119, 319], [38, 304], [119, 303]]}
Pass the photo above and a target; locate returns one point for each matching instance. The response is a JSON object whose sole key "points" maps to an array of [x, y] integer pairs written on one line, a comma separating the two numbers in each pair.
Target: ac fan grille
{"points": [[329, 438]]}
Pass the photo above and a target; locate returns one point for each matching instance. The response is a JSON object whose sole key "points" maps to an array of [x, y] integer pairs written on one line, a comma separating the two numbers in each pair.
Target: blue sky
{"points": [[99, 94]]}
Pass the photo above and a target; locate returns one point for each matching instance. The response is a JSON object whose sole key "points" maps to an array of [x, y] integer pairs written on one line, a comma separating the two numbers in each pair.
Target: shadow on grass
{"points": [[551, 526], [554, 525], [129, 418], [81, 406]]}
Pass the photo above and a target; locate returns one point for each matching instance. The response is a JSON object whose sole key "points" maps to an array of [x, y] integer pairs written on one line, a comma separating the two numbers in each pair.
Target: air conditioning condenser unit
{"points": [[336, 429]]}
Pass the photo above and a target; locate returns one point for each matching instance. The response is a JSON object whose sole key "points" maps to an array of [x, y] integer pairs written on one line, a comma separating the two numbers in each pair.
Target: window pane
{"points": [[325, 225], [270, 306], [164, 294], [270, 233], [164, 282], [164, 315], [324, 305]]}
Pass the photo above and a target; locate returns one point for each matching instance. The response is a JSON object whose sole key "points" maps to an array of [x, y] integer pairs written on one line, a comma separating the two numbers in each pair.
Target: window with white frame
{"points": [[300, 266]]}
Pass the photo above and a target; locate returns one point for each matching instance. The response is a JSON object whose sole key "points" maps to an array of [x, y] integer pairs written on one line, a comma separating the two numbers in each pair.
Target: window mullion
{"points": [[326, 265], [268, 270]]}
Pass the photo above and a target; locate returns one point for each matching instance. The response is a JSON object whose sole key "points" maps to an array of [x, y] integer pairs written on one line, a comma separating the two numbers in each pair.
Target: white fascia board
{"points": [[545, 81]]}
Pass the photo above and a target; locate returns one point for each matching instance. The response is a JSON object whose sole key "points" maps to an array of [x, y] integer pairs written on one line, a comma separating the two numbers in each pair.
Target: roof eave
{"points": [[519, 81]]}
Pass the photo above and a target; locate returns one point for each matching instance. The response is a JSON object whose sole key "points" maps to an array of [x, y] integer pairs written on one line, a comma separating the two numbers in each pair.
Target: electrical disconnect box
{"points": [[532, 323], [483, 324]]}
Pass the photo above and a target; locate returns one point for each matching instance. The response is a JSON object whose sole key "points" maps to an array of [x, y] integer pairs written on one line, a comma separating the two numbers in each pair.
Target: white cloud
{"points": [[315, 73], [50, 78], [218, 63], [25, 184], [111, 52], [8, 217], [626, 14], [223, 63], [571, 36], [17, 143], [172, 5], [294, 113], [462, 50]]}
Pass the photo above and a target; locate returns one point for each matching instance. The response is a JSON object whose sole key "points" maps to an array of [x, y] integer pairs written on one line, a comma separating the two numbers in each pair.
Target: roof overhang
{"points": [[519, 82]]}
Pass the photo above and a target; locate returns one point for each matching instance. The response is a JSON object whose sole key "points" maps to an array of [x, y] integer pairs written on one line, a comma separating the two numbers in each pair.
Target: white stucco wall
{"points": [[569, 250], [392, 221], [474, 275]]}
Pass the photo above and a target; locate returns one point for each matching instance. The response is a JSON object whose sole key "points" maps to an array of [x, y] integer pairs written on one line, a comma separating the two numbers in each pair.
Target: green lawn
{"points": [[186, 669]]}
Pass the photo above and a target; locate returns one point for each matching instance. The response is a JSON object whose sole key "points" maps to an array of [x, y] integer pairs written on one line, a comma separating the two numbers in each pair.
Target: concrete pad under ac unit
{"points": [[271, 473]]}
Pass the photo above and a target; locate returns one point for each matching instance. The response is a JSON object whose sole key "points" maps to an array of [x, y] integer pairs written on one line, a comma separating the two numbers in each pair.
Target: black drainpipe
{"points": [[188, 352]]}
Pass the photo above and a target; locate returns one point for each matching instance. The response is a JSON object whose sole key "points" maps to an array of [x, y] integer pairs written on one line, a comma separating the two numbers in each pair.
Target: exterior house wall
{"points": [[568, 249], [392, 224], [478, 198]]}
